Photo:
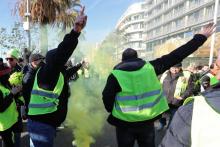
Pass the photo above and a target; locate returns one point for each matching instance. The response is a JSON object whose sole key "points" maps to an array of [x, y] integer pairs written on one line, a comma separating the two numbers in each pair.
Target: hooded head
{"points": [[129, 54]]}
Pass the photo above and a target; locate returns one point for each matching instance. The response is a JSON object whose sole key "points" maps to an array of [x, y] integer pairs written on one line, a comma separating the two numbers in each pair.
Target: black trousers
{"points": [[7, 138], [144, 136], [11, 137]]}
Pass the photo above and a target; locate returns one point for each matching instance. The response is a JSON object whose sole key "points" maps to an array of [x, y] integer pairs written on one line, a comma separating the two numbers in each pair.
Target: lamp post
{"points": [[26, 24], [213, 35]]}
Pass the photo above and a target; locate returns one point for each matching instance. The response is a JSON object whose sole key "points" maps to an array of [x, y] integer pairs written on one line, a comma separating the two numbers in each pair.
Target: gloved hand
{"points": [[16, 89]]}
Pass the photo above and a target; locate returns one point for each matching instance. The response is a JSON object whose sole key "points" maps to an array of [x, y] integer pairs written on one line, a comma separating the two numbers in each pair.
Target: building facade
{"points": [[166, 19], [131, 27]]}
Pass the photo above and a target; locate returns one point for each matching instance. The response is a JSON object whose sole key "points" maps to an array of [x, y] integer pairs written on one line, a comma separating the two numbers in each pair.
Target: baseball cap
{"points": [[13, 53], [35, 57]]}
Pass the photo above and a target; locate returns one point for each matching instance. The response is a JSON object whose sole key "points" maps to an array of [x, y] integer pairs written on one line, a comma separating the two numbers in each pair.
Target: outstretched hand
{"points": [[208, 30], [80, 21]]}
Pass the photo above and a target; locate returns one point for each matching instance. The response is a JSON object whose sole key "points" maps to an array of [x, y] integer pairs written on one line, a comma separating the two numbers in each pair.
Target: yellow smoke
{"points": [[86, 114]]}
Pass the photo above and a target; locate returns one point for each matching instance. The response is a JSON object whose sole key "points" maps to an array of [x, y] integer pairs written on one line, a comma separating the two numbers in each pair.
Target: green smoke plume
{"points": [[86, 113]]}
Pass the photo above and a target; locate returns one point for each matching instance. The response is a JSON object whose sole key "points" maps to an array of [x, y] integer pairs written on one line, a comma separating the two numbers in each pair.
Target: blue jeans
{"points": [[41, 134]]}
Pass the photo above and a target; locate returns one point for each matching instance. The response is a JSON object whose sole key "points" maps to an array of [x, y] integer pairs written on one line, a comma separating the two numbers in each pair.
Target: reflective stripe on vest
{"points": [[10, 116], [141, 97], [205, 126], [141, 107], [45, 105], [43, 93], [44, 101], [137, 97]]}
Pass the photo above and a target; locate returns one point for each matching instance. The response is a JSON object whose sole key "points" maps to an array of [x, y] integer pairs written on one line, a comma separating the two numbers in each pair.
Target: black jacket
{"points": [[179, 131], [49, 73], [6, 101], [160, 65]]}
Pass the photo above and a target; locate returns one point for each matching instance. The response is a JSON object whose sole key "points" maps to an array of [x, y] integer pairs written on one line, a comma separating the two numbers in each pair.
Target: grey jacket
{"points": [[179, 131]]}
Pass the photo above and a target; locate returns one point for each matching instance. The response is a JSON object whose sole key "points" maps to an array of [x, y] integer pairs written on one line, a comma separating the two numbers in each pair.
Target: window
{"points": [[194, 17], [135, 26], [209, 11], [140, 35], [165, 4], [168, 15], [179, 9], [179, 22], [139, 44]]}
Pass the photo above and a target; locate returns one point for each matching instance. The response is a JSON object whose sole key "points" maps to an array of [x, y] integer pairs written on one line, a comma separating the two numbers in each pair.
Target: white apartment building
{"points": [[131, 25], [164, 19]]}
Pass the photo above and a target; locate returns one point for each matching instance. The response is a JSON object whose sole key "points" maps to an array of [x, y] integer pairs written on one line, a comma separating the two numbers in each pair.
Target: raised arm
{"points": [[165, 62], [57, 58]]}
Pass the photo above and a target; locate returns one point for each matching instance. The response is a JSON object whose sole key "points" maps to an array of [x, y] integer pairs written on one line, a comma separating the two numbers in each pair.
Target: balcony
{"points": [[167, 32], [135, 39], [165, 9], [130, 23], [128, 31]]}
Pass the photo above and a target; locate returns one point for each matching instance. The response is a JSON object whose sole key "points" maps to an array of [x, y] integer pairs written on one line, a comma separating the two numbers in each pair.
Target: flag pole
{"points": [[213, 35]]}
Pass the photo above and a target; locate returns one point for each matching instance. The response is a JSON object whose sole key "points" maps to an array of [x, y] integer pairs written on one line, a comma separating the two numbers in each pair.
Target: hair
{"points": [[128, 54]]}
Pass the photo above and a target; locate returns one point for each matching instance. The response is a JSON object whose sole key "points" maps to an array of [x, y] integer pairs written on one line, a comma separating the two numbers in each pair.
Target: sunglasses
{"points": [[10, 59]]}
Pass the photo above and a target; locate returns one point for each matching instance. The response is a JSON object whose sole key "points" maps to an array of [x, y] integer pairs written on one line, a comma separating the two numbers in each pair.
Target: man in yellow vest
{"points": [[133, 94], [8, 110], [177, 86], [47, 107], [12, 58]]}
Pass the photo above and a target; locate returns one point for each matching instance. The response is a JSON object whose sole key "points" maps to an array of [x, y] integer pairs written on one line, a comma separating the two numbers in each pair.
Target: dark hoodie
{"points": [[160, 65], [6, 101], [49, 73]]}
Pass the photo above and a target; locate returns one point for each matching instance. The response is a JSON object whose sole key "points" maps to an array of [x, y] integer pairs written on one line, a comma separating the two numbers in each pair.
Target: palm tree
{"points": [[44, 12]]}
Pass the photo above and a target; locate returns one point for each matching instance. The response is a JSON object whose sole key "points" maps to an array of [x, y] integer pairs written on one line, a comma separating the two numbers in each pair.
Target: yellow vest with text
{"points": [[45, 101], [205, 124], [10, 116], [141, 97]]}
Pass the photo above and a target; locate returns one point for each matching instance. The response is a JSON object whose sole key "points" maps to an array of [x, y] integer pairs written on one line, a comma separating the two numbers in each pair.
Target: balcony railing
{"points": [[164, 10], [134, 30], [131, 22]]}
